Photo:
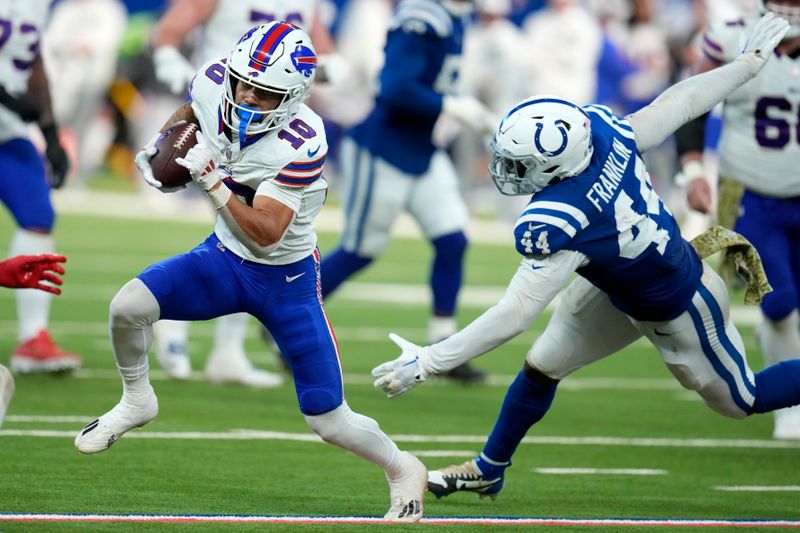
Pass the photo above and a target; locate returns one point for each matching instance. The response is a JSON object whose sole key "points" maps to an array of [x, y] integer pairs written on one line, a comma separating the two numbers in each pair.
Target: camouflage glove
{"points": [[742, 254]]}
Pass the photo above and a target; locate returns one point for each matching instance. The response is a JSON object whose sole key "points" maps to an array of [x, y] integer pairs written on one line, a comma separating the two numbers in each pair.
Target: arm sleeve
{"points": [[534, 285], [688, 100], [401, 79]]}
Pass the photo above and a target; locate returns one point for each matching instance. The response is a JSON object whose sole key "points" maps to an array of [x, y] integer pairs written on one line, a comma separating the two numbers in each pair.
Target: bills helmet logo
{"points": [[304, 60]]}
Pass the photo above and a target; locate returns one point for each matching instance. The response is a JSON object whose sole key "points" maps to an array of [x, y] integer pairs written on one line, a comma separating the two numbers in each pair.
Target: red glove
{"points": [[29, 271]]}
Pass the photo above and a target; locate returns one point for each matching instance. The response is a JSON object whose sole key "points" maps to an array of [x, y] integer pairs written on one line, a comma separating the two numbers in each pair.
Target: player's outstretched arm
{"points": [[528, 293], [696, 95], [41, 272]]}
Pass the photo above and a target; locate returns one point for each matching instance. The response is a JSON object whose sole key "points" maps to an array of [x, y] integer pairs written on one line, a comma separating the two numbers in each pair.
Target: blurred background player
{"points": [[260, 162], [389, 163], [759, 184], [24, 183], [219, 23], [42, 272]]}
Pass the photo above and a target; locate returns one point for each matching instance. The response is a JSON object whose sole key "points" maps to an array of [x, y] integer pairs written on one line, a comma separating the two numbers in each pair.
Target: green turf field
{"points": [[228, 450]]}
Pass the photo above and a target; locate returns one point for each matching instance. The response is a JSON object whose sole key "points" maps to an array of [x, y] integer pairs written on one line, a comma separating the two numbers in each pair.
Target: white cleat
{"points": [[6, 391], [101, 433], [407, 491], [234, 367], [787, 424], [174, 359]]}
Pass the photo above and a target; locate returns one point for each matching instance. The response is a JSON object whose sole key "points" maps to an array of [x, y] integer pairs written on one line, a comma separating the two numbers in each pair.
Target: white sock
{"points": [[441, 327], [171, 332], [33, 306], [780, 340], [360, 435], [230, 332], [132, 313]]}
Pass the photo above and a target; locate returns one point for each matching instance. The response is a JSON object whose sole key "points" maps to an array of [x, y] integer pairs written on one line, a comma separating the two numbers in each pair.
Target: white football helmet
{"points": [[788, 9], [458, 8], [541, 141], [277, 57]]}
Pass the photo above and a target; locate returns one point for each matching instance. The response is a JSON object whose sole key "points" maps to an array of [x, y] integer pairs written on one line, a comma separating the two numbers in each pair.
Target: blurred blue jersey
{"points": [[611, 214], [422, 61]]}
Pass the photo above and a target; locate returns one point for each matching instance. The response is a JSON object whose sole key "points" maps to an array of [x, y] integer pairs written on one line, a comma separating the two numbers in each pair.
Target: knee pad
{"points": [[134, 306], [314, 401], [779, 305]]}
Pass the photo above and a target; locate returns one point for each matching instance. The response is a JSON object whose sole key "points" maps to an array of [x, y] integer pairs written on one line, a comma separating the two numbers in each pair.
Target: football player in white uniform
{"points": [[260, 159], [220, 23], [759, 190], [25, 183], [594, 212]]}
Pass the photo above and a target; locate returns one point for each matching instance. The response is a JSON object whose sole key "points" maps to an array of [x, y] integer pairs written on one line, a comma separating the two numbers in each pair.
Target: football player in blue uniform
{"points": [[594, 212], [390, 164]]}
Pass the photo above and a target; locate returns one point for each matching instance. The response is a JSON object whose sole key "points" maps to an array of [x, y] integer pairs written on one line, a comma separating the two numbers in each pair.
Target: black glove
{"points": [[56, 156], [20, 105]]}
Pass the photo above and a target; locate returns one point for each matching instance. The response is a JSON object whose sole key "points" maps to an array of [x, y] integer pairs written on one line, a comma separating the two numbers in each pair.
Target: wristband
{"points": [[690, 170], [220, 196]]}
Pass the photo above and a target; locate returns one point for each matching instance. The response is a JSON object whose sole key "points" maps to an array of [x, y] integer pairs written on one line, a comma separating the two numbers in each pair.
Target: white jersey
{"points": [[283, 164], [760, 144], [232, 18], [20, 33]]}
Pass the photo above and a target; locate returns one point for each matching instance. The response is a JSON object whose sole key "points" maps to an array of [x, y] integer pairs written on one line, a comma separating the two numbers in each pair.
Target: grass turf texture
{"points": [[281, 477]]}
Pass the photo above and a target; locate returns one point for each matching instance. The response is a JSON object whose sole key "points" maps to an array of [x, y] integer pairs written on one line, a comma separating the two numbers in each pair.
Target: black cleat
{"points": [[463, 477], [467, 374]]}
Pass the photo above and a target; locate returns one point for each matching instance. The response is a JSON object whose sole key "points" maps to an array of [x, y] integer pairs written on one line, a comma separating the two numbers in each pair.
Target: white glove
{"points": [[404, 373], [470, 112], [172, 69], [333, 69], [142, 160], [768, 32], [200, 163]]}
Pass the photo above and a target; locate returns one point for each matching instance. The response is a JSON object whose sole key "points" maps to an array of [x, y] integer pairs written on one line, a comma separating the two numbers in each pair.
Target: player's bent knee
{"points": [[133, 306], [451, 245], [329, 426], [318, 401]]}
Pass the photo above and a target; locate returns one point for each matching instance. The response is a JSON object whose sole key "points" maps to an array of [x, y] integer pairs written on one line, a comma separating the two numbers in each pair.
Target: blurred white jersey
{"points": [[232, 18], [760, 144], [21, 26], [284, 164]]}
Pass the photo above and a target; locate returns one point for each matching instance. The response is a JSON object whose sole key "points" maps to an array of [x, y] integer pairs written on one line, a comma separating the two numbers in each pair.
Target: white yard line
{"points": [[258, 435], [762, 488]]}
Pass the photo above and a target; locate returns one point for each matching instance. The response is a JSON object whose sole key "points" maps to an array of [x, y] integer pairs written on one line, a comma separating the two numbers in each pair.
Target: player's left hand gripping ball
{"points": [[402, 374], [200, 163]]}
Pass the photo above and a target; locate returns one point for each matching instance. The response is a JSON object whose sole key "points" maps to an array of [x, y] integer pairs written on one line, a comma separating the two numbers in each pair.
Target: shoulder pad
{"points": [[546, 227], [423, 17], [308, 158]]}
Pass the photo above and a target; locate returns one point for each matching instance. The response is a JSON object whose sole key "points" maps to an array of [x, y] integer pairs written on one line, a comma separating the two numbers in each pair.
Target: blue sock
{"points": [[447, 271], [777, 386], [527, 400], [337, 267]]}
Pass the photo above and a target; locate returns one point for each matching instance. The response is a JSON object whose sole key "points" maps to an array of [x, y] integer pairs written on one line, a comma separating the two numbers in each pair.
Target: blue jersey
{"points": [[611, 214], [422, 60]]}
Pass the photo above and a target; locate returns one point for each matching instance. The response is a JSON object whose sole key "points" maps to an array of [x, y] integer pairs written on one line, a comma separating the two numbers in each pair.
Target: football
{"points": [[173, 143]]}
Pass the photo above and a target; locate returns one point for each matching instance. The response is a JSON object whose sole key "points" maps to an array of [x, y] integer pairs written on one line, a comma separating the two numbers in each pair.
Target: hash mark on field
{"points": [[603, 471], [599, 522], [757, 488]]}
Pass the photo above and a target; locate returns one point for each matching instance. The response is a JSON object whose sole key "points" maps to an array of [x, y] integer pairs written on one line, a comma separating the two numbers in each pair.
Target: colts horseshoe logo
{"points": [[561, 125]]}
